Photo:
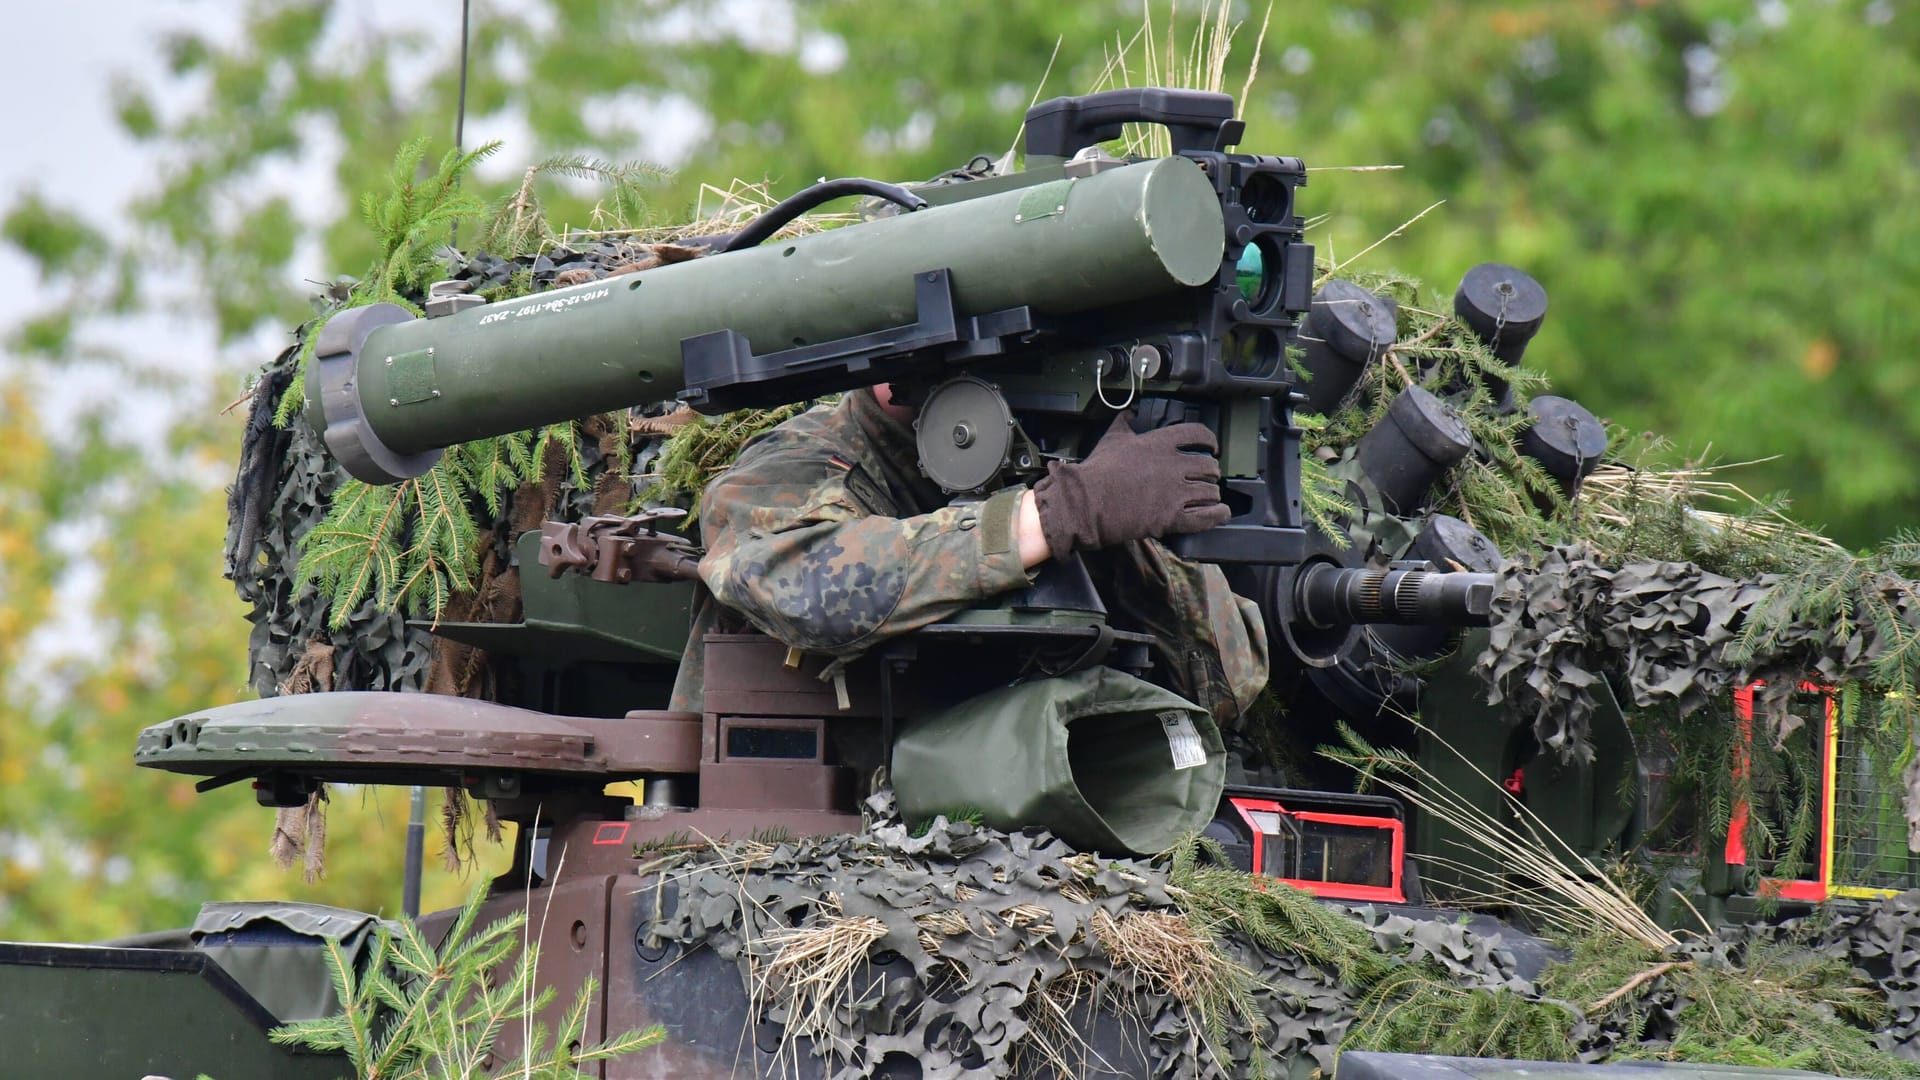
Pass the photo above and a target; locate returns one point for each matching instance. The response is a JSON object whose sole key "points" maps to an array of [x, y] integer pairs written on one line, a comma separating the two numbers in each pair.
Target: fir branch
{"points": [[701, 449], [443, 1016], [518, 222]]}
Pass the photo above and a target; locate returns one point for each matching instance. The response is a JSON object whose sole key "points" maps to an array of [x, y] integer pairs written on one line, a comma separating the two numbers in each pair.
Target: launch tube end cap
{"points": [[335, 378], [1183, 219]]}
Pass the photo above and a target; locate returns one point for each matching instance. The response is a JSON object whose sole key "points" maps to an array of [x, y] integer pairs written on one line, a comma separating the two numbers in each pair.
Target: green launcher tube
{"points": [[388, 392]]}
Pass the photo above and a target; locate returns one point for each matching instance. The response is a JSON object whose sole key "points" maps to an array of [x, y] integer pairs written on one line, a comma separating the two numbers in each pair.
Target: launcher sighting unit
{"points": [[1019, 312]]}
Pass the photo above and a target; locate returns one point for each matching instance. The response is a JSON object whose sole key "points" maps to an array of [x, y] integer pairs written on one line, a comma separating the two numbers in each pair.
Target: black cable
{"points": [[793, 206]]}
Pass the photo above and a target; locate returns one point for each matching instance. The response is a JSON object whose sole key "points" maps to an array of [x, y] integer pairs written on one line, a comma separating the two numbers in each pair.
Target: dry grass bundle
{"points": [[1053, 1034], [1032, 918], [1615, 493], [1168, 951], [1565, 888], [1161, 62], [811, 969]]}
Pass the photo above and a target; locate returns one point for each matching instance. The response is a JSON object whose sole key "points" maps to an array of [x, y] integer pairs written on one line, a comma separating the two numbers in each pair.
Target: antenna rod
{"points": [[417, 809]]}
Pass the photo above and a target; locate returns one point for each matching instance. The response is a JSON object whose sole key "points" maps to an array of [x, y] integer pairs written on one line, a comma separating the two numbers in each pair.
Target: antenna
{"points": [[417, 807]]}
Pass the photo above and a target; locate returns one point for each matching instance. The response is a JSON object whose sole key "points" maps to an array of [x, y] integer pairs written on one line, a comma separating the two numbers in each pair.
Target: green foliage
{"points": [[49, 335], [412, 221], [56, 240], [419, 1011], [1276, 917], [415, 219], [407, 545], [700, 449], [414, 544], [1864, 595], [1220, 901], [519, 221], [1322, 498], [1769, 1002], [1419, 1010], [1503, 493], [1781, 1005]]}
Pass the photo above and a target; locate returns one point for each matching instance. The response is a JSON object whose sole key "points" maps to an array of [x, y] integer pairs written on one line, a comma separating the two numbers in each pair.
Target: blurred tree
{"points": [[1721, 197], [89, 845], [1719, 194]]}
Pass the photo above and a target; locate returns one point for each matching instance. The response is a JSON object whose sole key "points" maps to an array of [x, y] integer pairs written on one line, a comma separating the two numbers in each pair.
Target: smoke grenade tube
{"points": [[393, 391]]}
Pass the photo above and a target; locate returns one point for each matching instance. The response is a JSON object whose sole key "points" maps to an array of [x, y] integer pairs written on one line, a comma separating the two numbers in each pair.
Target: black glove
{"points": [[1132, 487]]}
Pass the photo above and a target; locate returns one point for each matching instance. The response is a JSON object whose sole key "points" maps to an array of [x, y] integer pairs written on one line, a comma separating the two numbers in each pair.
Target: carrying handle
{"points": [[1197, 119]]}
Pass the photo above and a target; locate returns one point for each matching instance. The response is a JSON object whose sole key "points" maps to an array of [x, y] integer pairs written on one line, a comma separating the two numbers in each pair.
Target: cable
{"points": [[793, 206]]}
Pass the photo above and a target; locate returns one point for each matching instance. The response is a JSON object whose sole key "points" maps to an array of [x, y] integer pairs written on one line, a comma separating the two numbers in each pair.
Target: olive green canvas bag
{"points": [[1107, 761]]}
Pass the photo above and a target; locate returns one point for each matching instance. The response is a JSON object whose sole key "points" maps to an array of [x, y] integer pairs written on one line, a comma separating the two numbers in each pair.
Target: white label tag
{"points": [[1183, 740]]}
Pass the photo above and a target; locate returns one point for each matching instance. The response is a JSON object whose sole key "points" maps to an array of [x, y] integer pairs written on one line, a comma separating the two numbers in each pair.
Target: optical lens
{"points": [[1251, 273]]}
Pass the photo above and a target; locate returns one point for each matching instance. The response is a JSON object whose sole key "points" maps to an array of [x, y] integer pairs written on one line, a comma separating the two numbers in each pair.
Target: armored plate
{"points": [[390, 738], [89, 1010]]}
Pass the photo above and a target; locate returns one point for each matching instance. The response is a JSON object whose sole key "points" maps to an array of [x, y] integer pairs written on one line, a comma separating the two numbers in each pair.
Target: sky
{"points": [[55, 65], [58, 63], [60, 59]]}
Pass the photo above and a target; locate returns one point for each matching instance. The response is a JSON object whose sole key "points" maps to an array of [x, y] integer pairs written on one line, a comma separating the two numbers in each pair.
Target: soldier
{"points": [[825, 535]]}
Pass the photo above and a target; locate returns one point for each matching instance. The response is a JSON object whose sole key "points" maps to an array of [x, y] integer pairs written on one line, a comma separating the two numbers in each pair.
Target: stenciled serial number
{"points": [[557, 303]]}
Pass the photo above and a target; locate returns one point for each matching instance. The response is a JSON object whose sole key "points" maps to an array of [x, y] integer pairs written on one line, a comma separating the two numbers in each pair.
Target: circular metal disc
{"points": [[965, 433]]}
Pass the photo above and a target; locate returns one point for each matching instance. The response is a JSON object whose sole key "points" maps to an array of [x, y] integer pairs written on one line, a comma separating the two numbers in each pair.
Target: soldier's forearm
{"points": [[838, 586], [1029, 539]]}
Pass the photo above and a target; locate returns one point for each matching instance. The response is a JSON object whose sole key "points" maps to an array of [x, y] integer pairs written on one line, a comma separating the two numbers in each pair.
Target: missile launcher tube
{"points": [[393, 391]]}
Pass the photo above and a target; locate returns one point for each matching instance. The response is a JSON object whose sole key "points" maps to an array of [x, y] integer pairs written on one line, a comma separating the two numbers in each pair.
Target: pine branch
{"points": [[443, 1018]]}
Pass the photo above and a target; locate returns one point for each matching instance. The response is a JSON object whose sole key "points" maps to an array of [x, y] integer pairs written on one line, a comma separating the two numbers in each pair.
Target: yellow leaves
{"points": [[1519, 22], [13, 547], [14, 877], [112, 699], [1821, 357]]}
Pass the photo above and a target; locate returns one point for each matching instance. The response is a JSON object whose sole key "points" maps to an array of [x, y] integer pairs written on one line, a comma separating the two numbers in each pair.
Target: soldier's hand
{"points": [[1133, 487]]}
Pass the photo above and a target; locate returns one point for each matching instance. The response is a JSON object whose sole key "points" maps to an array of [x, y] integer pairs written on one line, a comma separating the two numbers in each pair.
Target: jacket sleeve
{"points": [[1210, 644], [791, 549]]}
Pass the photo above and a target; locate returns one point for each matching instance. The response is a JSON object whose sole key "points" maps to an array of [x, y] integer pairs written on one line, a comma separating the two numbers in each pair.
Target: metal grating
{"points": [[1869, 818]]}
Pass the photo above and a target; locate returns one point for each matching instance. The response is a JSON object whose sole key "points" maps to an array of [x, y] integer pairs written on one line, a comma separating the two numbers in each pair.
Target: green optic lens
{"points": [[1251, 272]]}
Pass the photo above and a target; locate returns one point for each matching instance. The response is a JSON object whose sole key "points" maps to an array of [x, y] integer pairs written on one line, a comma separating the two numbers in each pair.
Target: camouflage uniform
{"points": [[825, 535]]}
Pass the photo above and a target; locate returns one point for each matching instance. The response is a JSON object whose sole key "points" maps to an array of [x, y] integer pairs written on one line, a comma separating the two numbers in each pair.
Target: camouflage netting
{"points": [[984, 954], [1679, 638], [1562, 617]]}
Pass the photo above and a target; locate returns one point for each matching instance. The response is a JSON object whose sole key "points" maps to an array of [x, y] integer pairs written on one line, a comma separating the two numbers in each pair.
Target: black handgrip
{"points": [[1197, 119]]}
